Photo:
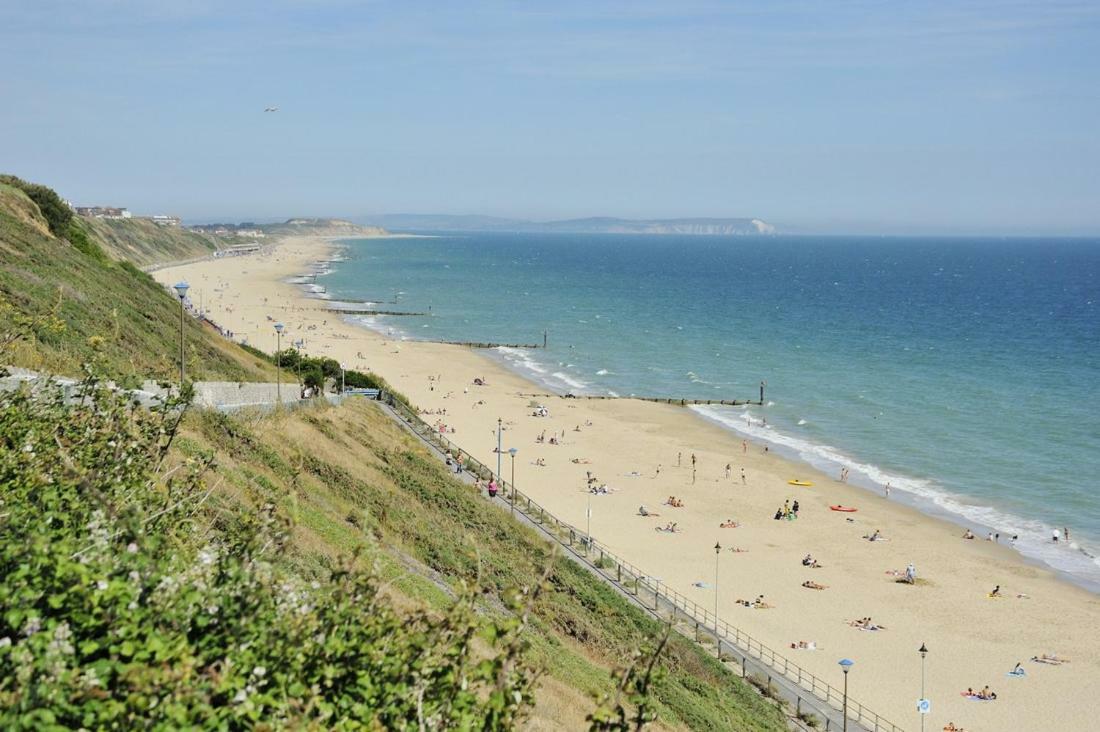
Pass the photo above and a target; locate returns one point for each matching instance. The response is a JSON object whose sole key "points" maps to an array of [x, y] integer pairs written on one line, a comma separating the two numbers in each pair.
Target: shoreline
{"points": [[624, 442]]}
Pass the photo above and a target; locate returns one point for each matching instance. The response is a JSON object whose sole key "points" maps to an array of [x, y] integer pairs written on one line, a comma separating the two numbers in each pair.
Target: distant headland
{"points": [[594, 225]]}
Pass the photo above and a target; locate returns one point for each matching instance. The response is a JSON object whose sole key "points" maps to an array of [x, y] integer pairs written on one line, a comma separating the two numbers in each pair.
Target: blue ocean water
{"points": [[965, 372]]}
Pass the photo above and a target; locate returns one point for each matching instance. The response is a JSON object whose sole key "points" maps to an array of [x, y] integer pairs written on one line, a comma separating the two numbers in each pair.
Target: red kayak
{"points": [[845, 509]]}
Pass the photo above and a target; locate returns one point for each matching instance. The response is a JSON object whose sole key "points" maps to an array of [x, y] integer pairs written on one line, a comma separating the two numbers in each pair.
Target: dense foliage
{"points": [[57, 213], [127, 602]]}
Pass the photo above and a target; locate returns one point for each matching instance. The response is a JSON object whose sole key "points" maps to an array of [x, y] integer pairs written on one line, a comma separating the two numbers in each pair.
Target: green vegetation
{"points": [[131, 601], [84, 307], [316, 369]]}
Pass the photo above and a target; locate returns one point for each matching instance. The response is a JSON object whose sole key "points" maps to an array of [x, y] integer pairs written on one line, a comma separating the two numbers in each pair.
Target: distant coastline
{"points": [[593, 225]]}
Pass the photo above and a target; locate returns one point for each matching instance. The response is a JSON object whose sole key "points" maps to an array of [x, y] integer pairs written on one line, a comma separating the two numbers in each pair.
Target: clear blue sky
{"points": [[891, 116]]}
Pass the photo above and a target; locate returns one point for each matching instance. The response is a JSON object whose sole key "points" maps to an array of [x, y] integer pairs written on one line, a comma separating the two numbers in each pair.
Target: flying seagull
{"points": [[271, 109]]}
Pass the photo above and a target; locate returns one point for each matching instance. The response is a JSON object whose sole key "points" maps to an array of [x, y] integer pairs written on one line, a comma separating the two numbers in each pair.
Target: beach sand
{"points": [[973, 640]]}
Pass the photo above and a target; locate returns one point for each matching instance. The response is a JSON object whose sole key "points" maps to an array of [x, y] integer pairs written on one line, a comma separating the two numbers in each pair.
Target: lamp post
{"points": [[500, 426], [717, 553], [512, 451], [279, 362], [343, 388], [181, 290], [923, 651], [846, 664], [588, 524], [298, 348], [717, 639]]}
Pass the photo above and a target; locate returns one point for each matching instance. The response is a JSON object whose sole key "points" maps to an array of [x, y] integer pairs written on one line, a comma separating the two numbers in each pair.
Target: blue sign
{"points": [[924, 706]]}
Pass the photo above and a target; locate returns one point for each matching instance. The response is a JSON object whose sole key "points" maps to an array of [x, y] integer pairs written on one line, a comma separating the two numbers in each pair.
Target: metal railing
{"points": [[634, 581]]}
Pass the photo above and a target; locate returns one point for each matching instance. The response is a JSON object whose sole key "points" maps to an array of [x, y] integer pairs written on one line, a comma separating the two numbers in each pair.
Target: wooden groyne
{"points": [[364, 302], [371, 311], [658, 400], [477, 344]]}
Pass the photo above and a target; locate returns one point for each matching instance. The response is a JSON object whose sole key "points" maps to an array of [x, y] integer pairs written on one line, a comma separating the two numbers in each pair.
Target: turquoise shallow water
{"points": [[966, 372]]}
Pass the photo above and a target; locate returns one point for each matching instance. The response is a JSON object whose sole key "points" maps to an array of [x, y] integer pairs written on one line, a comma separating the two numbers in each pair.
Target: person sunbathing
{"points": [[804, 646], [809, 561], [581, 461], [728, 524], [674, 502], [876, 536], [759, 603], [811, 585], [737, 550], [669, 528], [1052, 659], [1018, 670], [996, 592], [968, 534], [986, 694], [643, 511], [950, 727]]}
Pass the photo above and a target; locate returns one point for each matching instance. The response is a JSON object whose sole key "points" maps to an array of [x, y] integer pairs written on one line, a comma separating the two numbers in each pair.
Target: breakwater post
{"points": [[762, 385]]}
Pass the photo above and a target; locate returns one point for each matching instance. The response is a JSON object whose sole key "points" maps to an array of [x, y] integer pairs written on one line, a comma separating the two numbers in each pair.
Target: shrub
{"points": [[56, 212], [121, 610]]}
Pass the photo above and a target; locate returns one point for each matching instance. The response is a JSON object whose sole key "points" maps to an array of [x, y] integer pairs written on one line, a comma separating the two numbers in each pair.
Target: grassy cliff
{"points": [[84, 306], [351, 479], [142, 242]]}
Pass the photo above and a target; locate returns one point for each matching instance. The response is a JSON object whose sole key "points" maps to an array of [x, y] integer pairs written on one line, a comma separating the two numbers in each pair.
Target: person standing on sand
{"points": [[728, 468], [886, 490], [658, 473], [678, 456], [1065, 533], [692, 461], [744, 445], [693, 476]]}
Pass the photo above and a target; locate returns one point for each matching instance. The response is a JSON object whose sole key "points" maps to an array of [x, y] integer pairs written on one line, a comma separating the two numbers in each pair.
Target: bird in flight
{"points": [[271, 109]]}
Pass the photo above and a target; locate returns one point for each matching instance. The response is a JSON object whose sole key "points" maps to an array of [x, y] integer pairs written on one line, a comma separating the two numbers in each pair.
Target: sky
{"points": [[837, 117]]}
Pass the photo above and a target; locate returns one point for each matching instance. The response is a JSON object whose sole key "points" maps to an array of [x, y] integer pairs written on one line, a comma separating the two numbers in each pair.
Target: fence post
{"points": [[618, 573], [743, 673]]}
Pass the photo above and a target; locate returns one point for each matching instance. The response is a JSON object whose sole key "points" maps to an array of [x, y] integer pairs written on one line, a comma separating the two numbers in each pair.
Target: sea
{"points": [[963, 372]]}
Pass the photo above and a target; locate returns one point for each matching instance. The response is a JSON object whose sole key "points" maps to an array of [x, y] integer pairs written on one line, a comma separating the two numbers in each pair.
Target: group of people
{"points": [[674, 502], [757, 604], [789, 511], [986, 694]]}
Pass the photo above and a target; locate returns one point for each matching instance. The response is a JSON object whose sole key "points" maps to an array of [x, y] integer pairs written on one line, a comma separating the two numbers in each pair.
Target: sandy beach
{"points": [[974, 640]]}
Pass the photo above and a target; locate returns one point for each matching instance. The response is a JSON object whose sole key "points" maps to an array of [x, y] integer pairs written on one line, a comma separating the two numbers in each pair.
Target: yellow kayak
{"points": [[800, 482]]}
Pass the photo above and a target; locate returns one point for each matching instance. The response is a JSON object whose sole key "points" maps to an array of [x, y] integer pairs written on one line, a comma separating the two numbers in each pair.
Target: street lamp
{"points": [[279, 362], [922, 704], [588, 524], [298, 347], [181, 288], [717, 639], [846, 664], [343, 388], [512, 451], [500, 426]]}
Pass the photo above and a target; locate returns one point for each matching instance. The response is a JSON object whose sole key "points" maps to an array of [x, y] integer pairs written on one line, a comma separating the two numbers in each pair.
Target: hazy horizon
{"points": [[975, 118]]}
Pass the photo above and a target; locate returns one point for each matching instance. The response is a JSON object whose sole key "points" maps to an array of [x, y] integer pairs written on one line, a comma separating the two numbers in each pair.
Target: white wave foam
{"points": [[1034, 536], [569, 380], [519, 357], [602, 372]]}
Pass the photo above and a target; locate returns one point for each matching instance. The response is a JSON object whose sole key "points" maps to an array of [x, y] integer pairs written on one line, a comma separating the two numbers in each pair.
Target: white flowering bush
{"points": [[128, 599]]}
